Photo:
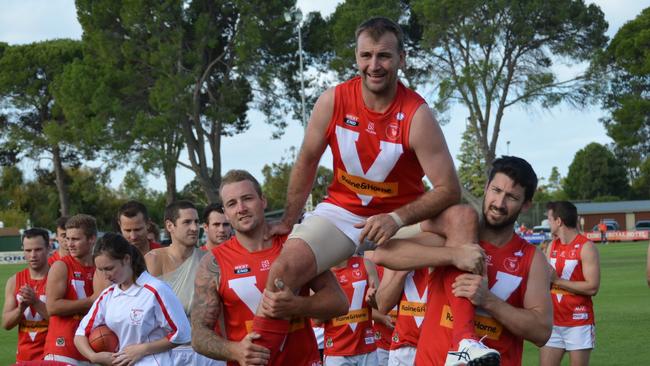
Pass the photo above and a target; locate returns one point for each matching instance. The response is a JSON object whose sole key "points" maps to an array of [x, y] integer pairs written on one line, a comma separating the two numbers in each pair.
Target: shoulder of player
{"points": [[11, 282], [58, 269]]}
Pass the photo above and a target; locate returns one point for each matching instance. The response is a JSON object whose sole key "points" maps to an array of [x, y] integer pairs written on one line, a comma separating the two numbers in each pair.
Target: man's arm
{"points": [[11, 312], [428, 143], [206, 309], [390, 290], [426, 250], [153, 262], [57, 283], [304, 170], [328, 300], [534, 321], [590, 270]]}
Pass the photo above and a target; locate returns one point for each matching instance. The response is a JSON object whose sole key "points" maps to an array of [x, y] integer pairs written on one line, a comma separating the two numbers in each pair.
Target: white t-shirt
{"points": [[145, 312]]}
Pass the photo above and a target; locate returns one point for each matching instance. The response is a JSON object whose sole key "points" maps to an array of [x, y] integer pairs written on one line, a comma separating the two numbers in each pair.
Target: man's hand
{"points": [[371, 294], [250, 354], [378, 228], [277, 228], [469, 258], [129, 355], [554, 276], [28, 294], [383, 319], [103, 358], [282, 304], [472, 286]]}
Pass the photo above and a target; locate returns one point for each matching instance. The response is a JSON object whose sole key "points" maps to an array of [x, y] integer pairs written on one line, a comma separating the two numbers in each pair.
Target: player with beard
{"points": [[513, 301], [230, 284]]}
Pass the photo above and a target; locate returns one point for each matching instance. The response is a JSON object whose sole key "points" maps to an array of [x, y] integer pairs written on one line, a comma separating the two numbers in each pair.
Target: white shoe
{"points": [[473, 353]]}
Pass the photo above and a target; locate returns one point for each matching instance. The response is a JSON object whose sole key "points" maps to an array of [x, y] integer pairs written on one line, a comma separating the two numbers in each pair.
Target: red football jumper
{"points": [[375, 170], [32, 328], [243, 278], [508, 269], [569, 309], [412, 307], [351, 334], [60, 336]]}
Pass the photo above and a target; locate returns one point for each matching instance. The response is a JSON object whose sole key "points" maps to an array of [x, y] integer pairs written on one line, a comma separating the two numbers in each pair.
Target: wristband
{"points": [[397, 219]]}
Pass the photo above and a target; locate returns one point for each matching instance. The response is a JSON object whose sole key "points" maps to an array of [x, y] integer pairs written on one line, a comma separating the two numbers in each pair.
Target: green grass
{"points": [[622, 310]]}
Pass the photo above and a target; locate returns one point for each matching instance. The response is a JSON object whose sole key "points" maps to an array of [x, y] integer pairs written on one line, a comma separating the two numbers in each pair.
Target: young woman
{"points": [[140, 309]]}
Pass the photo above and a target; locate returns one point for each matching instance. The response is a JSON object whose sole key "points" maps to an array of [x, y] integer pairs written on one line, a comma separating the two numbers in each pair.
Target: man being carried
{"points": [[230, 285], [25, 297], [71, 290], [513, 301], [576, 278], [384, 140]]}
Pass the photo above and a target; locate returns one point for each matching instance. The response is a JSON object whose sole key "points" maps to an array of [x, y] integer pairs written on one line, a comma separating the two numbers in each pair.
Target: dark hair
{"points": [[36, 232], [61, 221], [519, 171], [213, 207], [85, 222], [153, 229], [566, 211], [378, 26], [132, 209], [235, 176], [172, 211], [116, 247]]}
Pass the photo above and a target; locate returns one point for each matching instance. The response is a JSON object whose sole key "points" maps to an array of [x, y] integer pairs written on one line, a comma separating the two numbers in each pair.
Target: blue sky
{"points": [[545, 138]]}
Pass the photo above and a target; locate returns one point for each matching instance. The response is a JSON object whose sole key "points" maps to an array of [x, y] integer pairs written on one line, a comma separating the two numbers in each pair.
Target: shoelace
{"points": [[462, 355]]}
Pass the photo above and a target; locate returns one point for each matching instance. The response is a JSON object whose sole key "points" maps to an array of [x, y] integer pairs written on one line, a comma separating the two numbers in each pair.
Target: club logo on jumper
{"points": [[351, 120], [371, 128], [399, 116], [329, 343], [343, 279], [518, 253], [60, 342], [356, 273], [242, 268], [77, 274], [136, 316], [511, 264], [573, 254], [266, 265], [392, 131]]}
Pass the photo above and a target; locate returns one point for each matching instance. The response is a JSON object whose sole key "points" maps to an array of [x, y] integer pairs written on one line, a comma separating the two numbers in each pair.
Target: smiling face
{"points": [[185, 230], [378, 61], [503, 201], [243, 206]]}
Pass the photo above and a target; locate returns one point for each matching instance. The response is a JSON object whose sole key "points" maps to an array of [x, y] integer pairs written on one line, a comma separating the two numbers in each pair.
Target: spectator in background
{"points": [[62, 251], [216, 226], [602, 227], [132, 219], [153, 232]]}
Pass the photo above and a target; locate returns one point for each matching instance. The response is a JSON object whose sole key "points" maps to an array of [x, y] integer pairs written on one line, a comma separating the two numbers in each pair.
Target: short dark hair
{"points": [[116, 247], [85, 222], [61, 221], [519, 171], [213, 207], [132, 209], [172, 211], [377, 27], [566, 211], [235, 176], [34, 233]]}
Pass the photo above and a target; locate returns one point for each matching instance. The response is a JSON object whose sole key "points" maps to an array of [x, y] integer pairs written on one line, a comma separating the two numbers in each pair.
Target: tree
{"points": [[276, 180], [595, 172], [34, 122], [624, 69], [493, 55], [194, 67], [472, 169]]}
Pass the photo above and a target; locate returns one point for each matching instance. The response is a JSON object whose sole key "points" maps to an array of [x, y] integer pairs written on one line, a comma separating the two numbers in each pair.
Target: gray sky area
{"points": [[545, 138]]}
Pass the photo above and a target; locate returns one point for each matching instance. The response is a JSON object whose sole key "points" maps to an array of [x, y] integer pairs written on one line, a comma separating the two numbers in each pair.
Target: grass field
{"points": [[622, 310]]}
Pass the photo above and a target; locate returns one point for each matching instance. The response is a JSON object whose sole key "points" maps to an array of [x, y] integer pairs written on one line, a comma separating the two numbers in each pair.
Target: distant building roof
{"points": [[613, 207]]}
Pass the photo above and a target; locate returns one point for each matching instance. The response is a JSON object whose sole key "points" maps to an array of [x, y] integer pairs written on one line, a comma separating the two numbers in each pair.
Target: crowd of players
{"points": [[393, 275]]}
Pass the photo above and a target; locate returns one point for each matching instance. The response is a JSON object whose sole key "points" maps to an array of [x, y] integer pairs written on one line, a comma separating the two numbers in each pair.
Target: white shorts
{"points": [[366, 359], [68, 360], [382, 357], [403, 356], [573, 338], [185, 355]]}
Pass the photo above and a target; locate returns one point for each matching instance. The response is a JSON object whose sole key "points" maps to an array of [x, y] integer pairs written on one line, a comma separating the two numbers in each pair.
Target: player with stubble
{"points": [[133, 220], [384, 140]]}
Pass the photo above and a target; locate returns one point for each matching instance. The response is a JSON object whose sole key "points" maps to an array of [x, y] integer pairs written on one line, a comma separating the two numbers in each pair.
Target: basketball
{"points": [[102, 339]]}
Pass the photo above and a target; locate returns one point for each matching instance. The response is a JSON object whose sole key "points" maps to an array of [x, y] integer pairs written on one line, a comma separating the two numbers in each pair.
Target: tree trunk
{"points": [[170, 179], [210, 188], [59, 172]]}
